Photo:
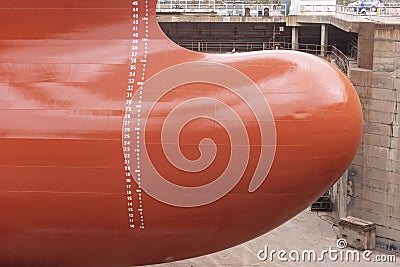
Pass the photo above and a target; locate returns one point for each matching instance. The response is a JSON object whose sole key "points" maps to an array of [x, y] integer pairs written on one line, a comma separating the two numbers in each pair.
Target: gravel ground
{"points": [[306, 231]]}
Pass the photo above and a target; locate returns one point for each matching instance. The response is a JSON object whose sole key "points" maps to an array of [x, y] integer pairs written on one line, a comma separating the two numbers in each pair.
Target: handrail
{"points": [[240, 9], [224, 9], [328, 52]]}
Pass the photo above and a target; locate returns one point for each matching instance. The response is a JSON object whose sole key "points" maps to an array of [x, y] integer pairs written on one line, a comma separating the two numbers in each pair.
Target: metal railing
{"points": [[239, 9], [221, 9], [329, 52], [314, 10], [222, 47], [385, 10], [339, 59]]}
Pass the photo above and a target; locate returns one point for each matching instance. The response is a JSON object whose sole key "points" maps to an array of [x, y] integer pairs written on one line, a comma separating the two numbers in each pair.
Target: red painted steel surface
{"points": [[70, 121]]}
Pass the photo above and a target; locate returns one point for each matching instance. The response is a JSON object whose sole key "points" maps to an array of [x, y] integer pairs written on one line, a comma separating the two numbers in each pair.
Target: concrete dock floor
{"points": [[306, 231]]}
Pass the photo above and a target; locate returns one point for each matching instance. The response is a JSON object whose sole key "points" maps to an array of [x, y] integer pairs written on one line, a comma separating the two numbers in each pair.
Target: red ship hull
{"points": [[86, 88]]}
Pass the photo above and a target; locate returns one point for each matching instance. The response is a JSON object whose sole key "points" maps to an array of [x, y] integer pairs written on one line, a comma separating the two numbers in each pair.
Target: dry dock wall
{"points": [[373, 181], [371, 188]]}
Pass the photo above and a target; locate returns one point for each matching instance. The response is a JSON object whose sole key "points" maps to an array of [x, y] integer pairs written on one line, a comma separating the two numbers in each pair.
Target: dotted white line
{"points": [[128, 136], [139, 107], [128, 108]]}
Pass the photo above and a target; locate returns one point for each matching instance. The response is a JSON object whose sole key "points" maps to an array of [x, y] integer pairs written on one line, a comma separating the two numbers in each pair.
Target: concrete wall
{"points": [[373, 182], [366, 45]]}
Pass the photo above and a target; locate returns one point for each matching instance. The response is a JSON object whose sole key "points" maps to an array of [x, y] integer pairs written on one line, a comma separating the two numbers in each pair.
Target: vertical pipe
{"points": [[295, 38], [324, 39]]}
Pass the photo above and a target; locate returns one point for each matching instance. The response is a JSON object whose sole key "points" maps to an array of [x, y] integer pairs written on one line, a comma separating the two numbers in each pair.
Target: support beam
{"points": [[324, 39], [366, 46], [342, 199], [295, 38]]}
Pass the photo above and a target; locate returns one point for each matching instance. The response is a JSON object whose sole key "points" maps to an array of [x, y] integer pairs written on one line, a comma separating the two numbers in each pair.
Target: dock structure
{"points": [[364, 46]]}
